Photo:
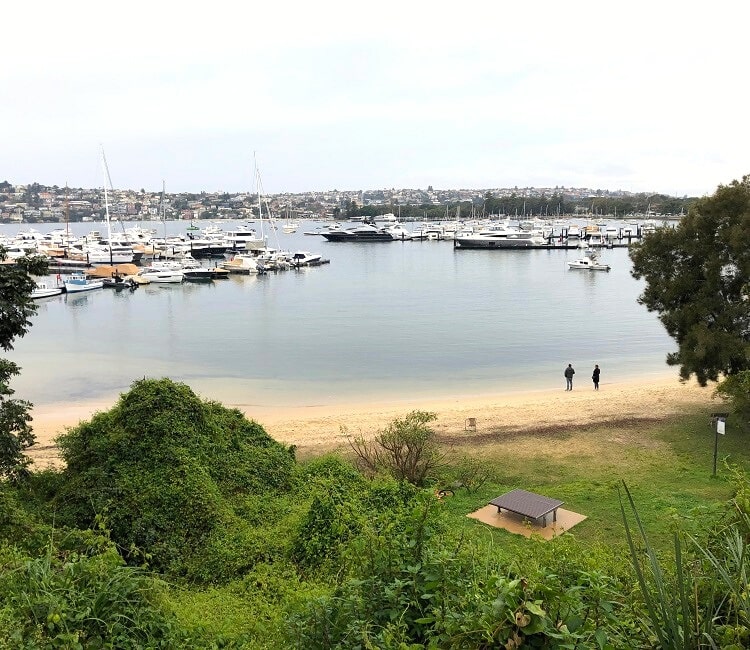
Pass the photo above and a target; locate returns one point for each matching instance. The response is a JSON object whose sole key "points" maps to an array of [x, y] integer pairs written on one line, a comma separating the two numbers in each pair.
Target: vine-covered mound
{"points": [[166, 473]]}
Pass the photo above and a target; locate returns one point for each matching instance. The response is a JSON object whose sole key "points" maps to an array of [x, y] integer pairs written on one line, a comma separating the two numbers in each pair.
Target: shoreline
{"points": [[319, 428]]}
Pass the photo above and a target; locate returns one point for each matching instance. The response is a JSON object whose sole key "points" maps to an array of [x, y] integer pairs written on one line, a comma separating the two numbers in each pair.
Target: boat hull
{"points": [[357, 237], [588, 267], [78, 287], [477, 242], [198, 275], [46, 293], [163, 277]]}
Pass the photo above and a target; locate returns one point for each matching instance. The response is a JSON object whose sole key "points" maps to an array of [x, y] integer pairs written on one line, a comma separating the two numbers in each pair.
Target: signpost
{"points": [[719, 422]]}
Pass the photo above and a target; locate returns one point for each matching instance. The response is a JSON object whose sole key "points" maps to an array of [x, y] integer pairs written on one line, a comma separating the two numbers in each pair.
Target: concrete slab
{"points": [[516, 524]]}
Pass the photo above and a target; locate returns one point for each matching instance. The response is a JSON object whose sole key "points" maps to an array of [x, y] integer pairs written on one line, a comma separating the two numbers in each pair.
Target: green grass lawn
{"points": [[667, 466]]}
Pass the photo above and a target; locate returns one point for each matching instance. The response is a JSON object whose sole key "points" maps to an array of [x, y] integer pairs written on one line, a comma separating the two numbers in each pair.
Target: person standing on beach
{"points": [[569, 372], [595, 377]]}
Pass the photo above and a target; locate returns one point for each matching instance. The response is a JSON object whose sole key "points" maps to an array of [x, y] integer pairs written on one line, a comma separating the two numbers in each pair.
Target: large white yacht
{"points": [[499, 236], [244, 240], [361, 233]]}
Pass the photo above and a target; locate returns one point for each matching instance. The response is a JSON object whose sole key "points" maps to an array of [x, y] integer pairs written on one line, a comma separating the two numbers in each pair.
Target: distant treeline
{"points": [[530, 206]]}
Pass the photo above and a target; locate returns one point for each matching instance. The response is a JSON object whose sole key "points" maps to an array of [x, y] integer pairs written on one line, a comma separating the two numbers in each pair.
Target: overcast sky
{"points": [[640, 96]]}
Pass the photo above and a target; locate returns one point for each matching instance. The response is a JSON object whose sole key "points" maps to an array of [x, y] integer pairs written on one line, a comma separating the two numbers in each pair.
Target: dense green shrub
{"points": [[341, 510], [330, 467], [250, 612], [17, 525], [76, 601], [165, 470]]}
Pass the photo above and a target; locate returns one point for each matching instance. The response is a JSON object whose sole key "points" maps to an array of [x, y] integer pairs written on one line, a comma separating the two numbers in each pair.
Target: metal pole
{"points": [[717, 418], [716, 445]]}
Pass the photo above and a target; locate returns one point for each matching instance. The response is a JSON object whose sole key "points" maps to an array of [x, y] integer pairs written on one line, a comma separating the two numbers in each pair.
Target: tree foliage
{"points": [[736, 389], [16, 309], [406, 449], [698, 280]]}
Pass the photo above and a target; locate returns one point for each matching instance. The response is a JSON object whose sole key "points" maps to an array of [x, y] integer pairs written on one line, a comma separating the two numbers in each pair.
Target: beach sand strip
{"points": [[321, 428]]}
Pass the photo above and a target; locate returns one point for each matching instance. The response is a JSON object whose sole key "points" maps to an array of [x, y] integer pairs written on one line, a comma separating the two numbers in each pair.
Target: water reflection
{"points": [[395, 320]]}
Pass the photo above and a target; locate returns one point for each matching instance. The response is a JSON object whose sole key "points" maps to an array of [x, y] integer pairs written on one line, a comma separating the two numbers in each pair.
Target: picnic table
{"points": [[527, 504]]}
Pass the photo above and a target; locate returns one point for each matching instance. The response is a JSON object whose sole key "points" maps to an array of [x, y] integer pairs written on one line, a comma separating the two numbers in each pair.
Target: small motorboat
{"points": [[590, 261], [198, 274], [118, 281], [77, 282], [305, 258], [42, 290]]}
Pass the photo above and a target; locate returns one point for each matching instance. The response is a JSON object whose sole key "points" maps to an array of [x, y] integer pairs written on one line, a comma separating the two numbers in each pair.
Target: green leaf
{"points": [[534, 608]]}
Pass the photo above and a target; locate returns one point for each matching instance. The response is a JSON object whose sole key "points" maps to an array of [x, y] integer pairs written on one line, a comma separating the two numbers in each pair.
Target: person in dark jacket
{"points": [[595, 377], [569, 372]]}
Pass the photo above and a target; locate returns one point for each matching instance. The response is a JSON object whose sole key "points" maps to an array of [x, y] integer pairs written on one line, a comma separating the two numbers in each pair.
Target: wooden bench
{"points": [[529, 505]]}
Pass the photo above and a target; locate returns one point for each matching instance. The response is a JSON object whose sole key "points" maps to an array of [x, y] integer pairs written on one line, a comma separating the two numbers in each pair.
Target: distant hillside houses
{"points": [[36, 202]]}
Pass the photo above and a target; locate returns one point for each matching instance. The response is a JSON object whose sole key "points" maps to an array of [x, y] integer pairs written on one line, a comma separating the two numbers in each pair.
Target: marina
{"points": [[395, 320]]}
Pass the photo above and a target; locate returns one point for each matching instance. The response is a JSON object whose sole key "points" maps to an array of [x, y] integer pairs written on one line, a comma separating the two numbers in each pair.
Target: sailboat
{"points": [[290, 226], [99, 253], [268, 258]]}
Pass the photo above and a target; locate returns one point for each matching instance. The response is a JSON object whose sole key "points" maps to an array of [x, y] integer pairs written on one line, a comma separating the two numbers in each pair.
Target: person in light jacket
{"points": [[569, 372]]}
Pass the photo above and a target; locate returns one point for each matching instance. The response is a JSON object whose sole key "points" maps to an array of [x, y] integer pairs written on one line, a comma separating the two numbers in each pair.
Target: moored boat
{"points": [[305, 258], [162, 275], [198, 274], [241, 263], [77, 282], [119, 281], [397, 231], [500, 237], [362, 233], [43, 290]]}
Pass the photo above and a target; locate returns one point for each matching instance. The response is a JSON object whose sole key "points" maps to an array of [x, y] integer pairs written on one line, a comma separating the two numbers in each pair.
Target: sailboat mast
{"points": [[260, 206], [106, 206], [163, 214], [67, 219]]}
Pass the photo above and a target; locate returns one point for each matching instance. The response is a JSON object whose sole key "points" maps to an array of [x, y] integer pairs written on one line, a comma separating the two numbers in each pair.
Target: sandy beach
{"points": [[321, 428]]}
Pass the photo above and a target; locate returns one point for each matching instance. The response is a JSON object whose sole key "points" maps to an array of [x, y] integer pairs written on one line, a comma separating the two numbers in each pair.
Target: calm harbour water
{"points": [[382, 321]]}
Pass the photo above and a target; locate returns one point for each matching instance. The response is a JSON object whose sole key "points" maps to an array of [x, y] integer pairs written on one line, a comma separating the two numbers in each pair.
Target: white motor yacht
{"points": [[361, 233], [244, 240], [589, 261], [162, 275], [99, 254], [500, 236], [305, 258], [398, 231]]}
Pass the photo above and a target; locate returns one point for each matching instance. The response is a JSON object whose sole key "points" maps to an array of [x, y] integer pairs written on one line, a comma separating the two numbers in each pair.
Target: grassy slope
{"points": [[666, 464]]}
